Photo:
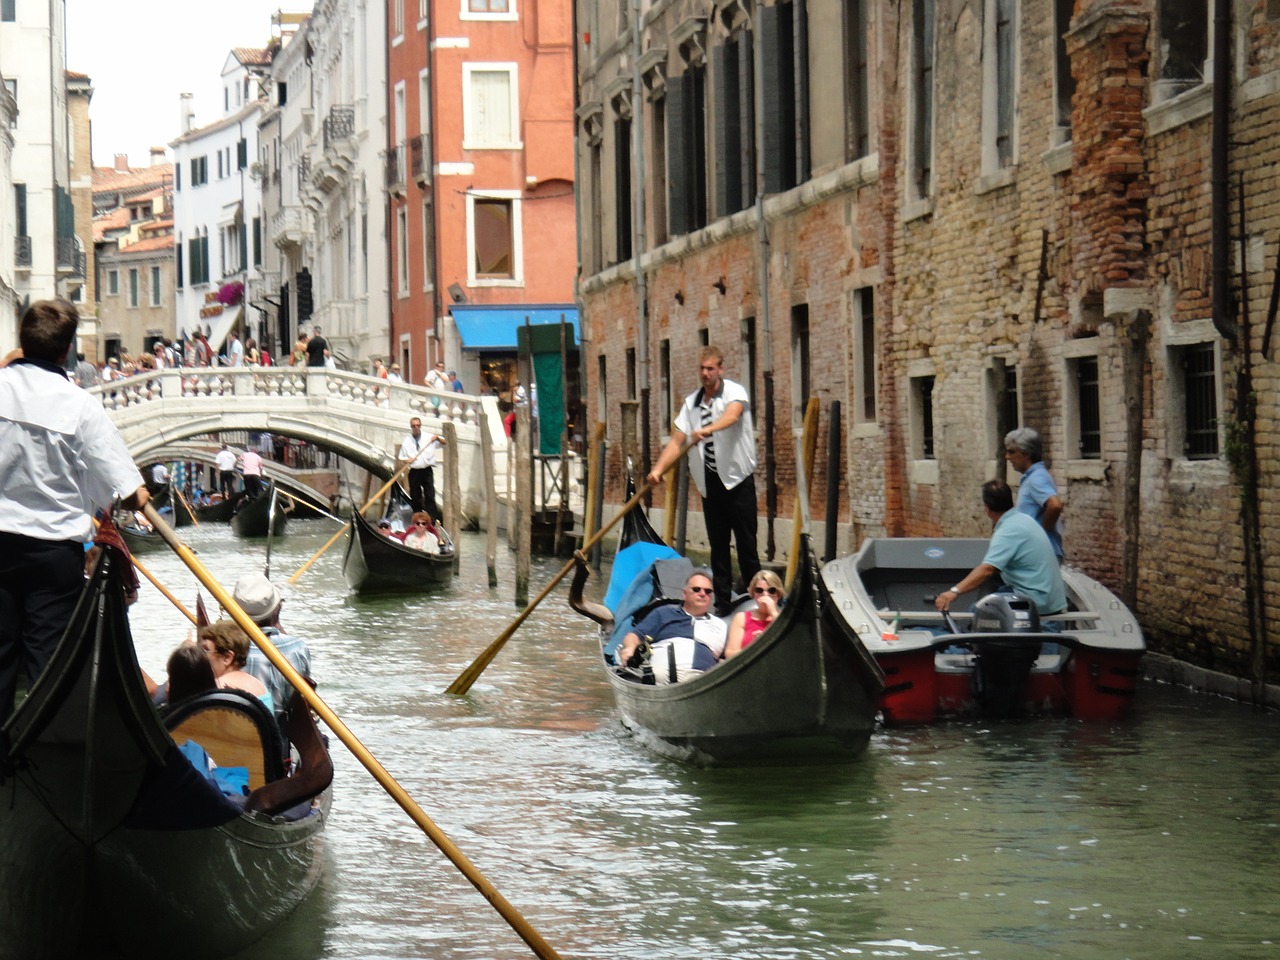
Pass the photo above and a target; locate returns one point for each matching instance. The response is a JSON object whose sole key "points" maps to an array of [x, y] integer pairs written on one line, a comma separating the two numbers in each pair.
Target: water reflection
{"points": [[1156, 837]]}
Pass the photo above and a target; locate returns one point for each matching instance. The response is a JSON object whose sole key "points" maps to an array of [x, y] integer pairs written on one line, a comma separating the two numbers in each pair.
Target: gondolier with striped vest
{"points": [[422, 452], [717, 416], [60, 458]]}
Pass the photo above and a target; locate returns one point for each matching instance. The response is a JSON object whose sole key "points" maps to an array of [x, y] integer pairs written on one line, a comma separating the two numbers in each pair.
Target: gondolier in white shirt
{"points": [[422, 452], [718, 417], [61, 458]]}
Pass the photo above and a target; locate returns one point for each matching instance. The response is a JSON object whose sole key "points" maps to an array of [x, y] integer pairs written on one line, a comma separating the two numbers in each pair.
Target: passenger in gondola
{"points": [[766, 589], [423, 535], [260, 599], [384, 528], [61, 457], [227, 646], [190, 673], [684, 640]]}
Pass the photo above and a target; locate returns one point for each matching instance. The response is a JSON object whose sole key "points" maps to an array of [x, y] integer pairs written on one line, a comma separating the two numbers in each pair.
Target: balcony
{"points": [[289, 227], [304, 171], [22, 251], [71, 259], [394, 165], [420, 159], [339, 125]]}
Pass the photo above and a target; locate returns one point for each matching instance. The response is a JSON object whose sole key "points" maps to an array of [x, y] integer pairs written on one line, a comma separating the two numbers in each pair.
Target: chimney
{"points": [[187, 112], [122, 163], [157, 156]]}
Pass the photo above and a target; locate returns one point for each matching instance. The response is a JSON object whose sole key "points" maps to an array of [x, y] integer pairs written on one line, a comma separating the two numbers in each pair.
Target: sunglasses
{"points": [[420, 523], [702, 589], [757, 591]]}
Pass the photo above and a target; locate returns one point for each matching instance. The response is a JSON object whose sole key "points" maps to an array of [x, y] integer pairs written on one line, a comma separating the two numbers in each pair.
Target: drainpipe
{"points": [[639, 238], [1220, 199]]}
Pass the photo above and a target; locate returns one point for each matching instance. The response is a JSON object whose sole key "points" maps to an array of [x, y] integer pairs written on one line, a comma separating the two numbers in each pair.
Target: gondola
{"points": [[377, 564], [220, 512], [807, 688], [254, 518], [109, 838], [174, 510], [138, 538], [996, 661]]}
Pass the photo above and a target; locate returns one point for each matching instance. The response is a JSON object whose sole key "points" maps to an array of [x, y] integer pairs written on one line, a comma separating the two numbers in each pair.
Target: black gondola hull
{"points": [[377, 564]]}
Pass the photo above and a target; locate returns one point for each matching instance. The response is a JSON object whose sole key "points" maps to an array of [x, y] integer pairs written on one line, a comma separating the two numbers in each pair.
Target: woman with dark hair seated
{"points": [[189, 673]]}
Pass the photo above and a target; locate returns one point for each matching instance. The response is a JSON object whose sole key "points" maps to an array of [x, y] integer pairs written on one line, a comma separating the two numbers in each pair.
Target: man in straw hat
{"points": [[260, 599]]}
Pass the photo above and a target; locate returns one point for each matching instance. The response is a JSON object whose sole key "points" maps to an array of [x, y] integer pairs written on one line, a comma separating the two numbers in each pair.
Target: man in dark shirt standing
{"points": [[317, 349]]}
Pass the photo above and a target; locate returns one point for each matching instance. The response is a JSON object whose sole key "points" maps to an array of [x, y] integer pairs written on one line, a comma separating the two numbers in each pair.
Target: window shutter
{"points": [[244, 246], [178, 251], [622, 187], [677, 145], [772, 134]]}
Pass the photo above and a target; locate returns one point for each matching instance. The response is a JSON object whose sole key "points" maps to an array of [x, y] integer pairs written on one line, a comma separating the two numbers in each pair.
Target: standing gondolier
{"points": [[422, 478], [60, 457], [723, 469]]}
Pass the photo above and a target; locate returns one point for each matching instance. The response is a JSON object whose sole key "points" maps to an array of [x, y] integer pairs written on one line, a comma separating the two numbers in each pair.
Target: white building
{"points": [[218, 235], [326, 140], [8, 292], [46, 257]]}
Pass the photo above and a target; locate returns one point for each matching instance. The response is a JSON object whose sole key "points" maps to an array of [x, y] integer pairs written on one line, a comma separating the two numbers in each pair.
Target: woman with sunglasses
{"points": [[422, 536], [766, 590]]}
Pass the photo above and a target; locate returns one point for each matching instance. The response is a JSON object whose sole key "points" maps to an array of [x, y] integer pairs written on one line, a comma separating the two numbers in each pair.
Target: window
{"points": [[242, 154], [749, 347], [482, 8], [133, 287], [785, 88], [257, 241], [666, 413], [734, 119], [999, 84], [657, 169], [596, 173], [1084, 424], [922, 418], [493, 239], [398, 132], [220, 172], [428, 247], [179, 276], [800, 360], [857, 75], [864, 355], [155, 286], [602, 400], [921, 142], [622, 187], [489, 117], [199, 171], [402, 251], [687, 151], [282, 92], [398, 18], [177, 177], [1064, 84], [1183, 44], [113, 283], [1196, 364], [631, 373], [198, 255], [8, 11]]}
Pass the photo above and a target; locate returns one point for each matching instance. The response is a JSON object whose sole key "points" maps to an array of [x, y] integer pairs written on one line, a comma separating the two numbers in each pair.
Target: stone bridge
{"points": [[362, 418]]}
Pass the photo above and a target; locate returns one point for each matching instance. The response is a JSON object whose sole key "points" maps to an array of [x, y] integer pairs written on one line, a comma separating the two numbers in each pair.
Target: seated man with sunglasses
{"points": [[685, 639], [766, 589]]}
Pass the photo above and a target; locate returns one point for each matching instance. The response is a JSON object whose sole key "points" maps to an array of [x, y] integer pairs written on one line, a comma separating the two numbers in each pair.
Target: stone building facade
{"points": [[971, 215]]}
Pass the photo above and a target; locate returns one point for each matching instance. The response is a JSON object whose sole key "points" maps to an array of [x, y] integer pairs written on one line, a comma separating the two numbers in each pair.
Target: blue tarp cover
{"points": [[491, 327]]}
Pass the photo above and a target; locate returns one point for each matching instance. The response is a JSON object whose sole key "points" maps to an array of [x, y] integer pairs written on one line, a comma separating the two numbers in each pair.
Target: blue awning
{"points": [[494, 327]]}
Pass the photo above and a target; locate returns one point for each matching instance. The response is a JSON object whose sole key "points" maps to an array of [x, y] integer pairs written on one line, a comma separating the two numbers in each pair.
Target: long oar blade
{"points": [[469, 676], [509, 913]]}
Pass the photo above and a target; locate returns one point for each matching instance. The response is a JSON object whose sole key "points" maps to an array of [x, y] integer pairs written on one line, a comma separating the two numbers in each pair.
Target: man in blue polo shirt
{"points": [[1037, 495], [1019, 552]]}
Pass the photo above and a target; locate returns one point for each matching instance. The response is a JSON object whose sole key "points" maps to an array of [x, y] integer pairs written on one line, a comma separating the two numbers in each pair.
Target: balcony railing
{"points": [[70, 256], [304, 170], [394, 160], [339, 125], [22, 251], [420, 158]]}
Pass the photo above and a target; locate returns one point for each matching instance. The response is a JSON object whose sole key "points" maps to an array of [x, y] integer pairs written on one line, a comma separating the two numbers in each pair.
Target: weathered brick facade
{"points": [[1035, 255]]}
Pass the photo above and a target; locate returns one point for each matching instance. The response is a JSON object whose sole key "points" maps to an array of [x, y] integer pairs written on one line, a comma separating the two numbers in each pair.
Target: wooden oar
{"points": [[469, 676], [808, 450], [346, 526], [352, 743]]}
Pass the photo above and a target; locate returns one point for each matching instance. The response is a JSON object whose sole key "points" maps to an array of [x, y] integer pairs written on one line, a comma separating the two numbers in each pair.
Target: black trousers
{"points": [[730, 513], [252, 485], [422, 490], [40, 582], [227, 481]]}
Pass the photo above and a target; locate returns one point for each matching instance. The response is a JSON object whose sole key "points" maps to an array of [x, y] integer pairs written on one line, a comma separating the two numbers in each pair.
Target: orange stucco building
{"points": [[479, 178]]}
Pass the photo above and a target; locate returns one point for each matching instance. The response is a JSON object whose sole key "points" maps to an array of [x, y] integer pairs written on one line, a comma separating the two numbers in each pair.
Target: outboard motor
{"points": [[1003, 663]]}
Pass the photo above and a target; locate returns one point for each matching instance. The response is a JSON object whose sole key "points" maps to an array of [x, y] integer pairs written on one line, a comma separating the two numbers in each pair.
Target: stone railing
{"points": [[248, 385]]}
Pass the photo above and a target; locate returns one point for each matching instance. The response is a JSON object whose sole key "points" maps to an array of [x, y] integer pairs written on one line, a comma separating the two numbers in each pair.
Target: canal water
{"points": [[1155, 837]]}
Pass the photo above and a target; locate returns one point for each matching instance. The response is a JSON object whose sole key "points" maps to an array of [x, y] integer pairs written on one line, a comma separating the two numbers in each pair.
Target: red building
{"points": [[479, 179]]}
